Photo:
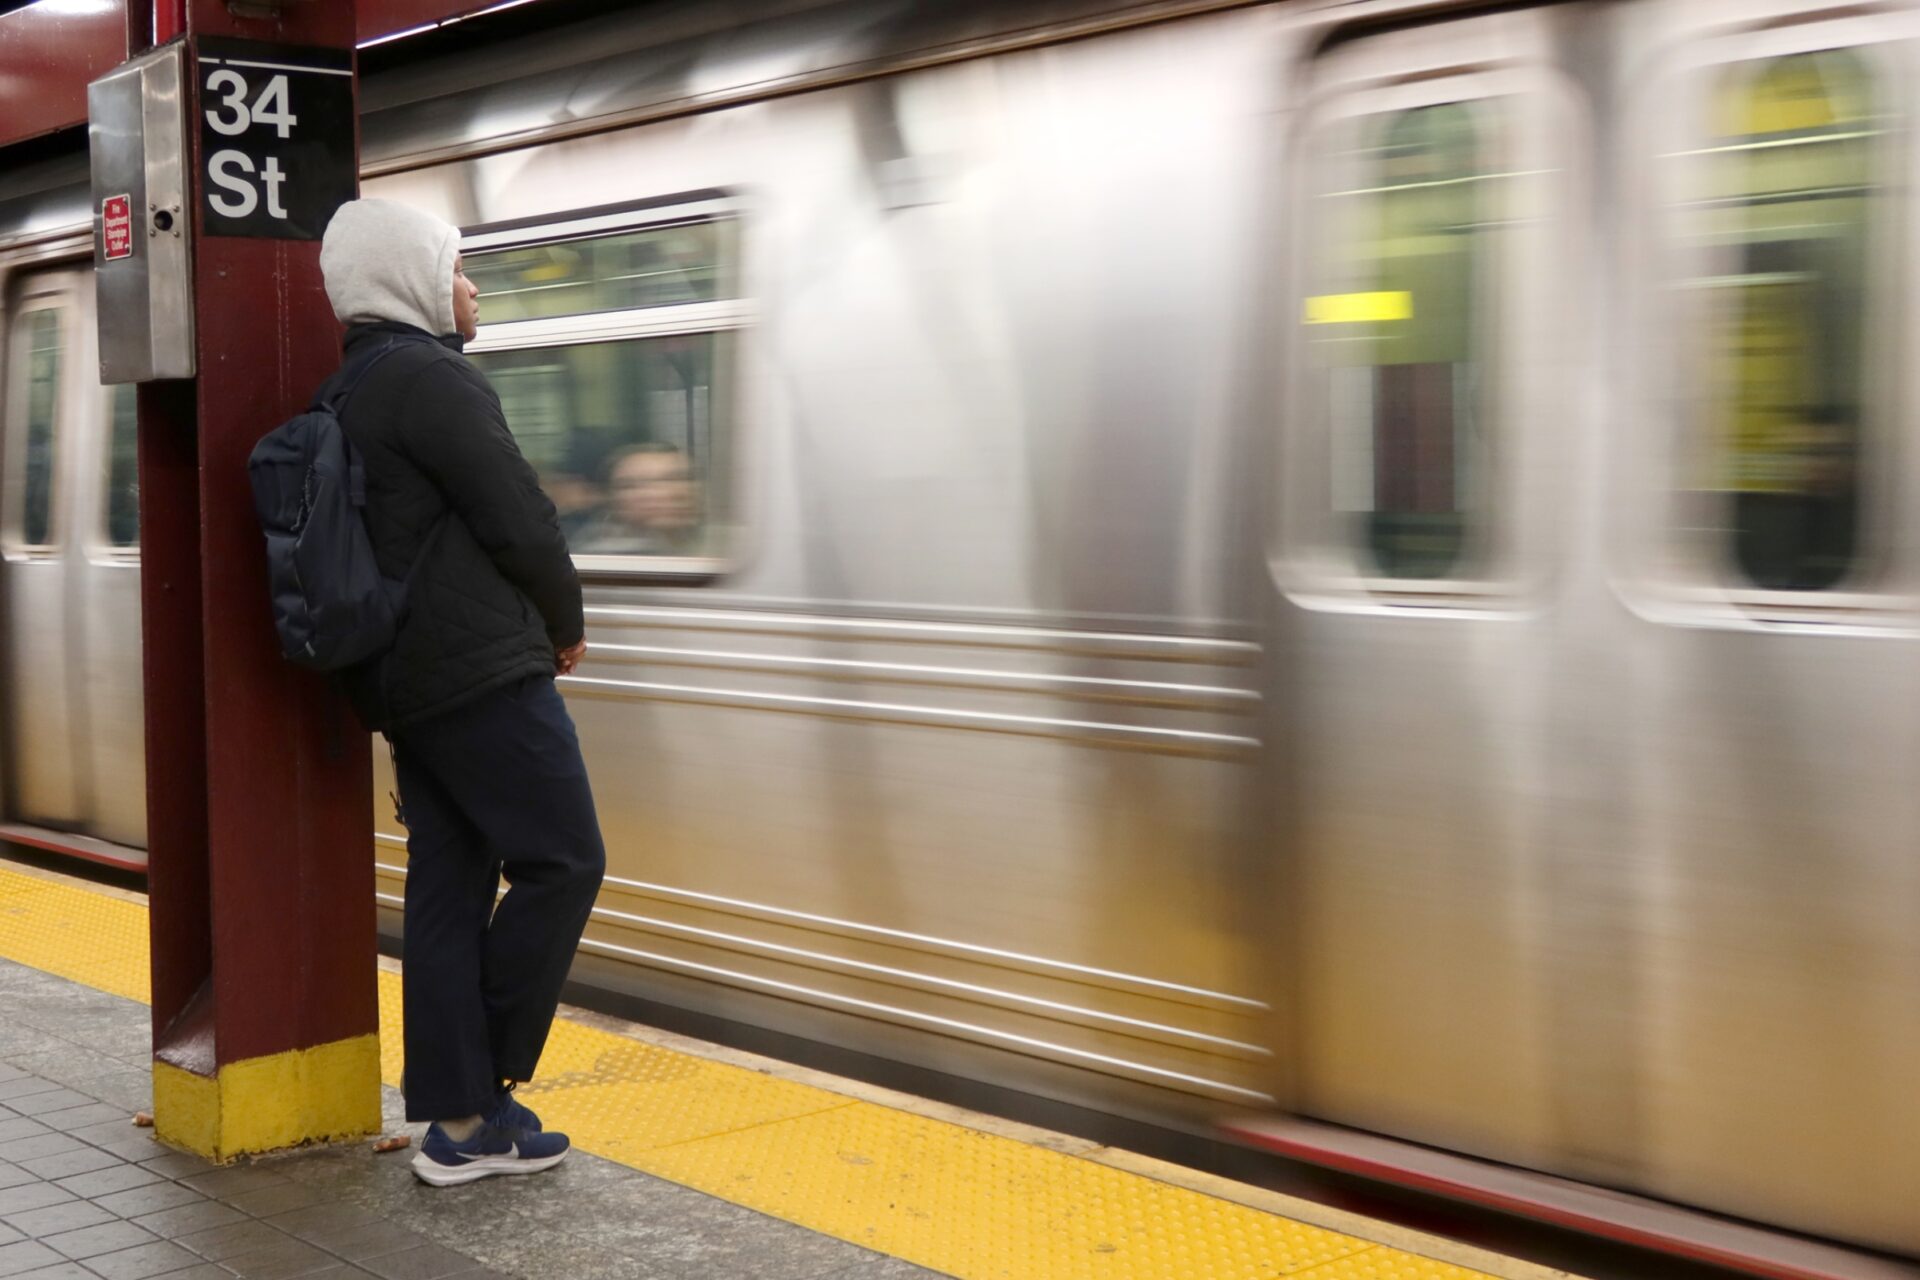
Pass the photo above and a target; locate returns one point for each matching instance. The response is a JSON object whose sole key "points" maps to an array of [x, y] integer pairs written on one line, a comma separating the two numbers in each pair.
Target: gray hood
{"points": [[387, 261]]}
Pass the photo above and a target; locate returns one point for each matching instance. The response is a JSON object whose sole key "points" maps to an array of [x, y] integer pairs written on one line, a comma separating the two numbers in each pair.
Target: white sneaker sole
{"points": [[443, 1175]]}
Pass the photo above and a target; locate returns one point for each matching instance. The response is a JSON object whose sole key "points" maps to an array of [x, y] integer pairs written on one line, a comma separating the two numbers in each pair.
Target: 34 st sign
{"points": [[276, 138]]}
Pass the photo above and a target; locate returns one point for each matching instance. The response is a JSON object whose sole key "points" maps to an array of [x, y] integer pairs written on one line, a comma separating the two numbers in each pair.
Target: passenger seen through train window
{"points": [[623, 435], [625, 431], [1790, 190], [652, 508]]}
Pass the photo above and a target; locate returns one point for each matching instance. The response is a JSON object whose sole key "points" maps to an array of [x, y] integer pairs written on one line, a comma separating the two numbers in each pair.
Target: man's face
{"points": [[466, 300], [653, 491]]}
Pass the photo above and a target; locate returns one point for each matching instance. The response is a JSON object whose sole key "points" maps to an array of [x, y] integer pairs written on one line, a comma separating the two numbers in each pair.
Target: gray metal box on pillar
{"points": [[142, 241]]}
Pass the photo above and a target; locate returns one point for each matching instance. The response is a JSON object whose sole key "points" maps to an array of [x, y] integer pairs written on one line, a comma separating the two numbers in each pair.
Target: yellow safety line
{"points": [[972, 1204], [90, 938]]}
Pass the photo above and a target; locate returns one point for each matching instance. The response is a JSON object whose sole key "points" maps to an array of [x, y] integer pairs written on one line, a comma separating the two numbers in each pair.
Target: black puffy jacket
{"points": [[454, 509]]}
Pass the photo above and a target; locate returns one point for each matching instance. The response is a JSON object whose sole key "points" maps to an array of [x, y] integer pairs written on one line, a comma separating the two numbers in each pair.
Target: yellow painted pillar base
{"points": [[325, 1094]]}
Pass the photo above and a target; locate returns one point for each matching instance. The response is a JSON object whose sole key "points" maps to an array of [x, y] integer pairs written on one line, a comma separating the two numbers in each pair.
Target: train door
{"points": [[1770, 561], [49, 392], [1425, 445]]}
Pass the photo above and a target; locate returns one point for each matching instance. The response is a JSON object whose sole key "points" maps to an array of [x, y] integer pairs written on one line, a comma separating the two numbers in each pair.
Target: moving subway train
{"points": [[1354, 559]]}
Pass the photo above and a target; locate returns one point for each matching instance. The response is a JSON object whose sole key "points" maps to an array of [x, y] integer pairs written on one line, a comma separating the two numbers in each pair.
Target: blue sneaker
{"points": [[510, 1113], [442, 1162]]}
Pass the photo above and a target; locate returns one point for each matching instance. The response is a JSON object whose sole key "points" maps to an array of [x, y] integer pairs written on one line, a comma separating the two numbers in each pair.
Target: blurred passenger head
{"points": [[383, 260], [652, 488], [573, 480]]}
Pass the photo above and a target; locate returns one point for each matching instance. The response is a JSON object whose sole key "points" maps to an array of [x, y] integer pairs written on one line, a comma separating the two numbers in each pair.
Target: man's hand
{"points": [[565, 660]]}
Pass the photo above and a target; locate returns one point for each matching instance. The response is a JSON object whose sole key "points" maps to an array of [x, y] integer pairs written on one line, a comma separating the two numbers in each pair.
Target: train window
{"points": [[38, 351], [1785, 200], [612, 357], [623, 436], [1398, 327], [654, 267], [123, 472]]}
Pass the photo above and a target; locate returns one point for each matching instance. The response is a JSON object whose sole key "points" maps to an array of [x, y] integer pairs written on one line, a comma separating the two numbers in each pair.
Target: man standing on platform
{"points": [[491, 777]]}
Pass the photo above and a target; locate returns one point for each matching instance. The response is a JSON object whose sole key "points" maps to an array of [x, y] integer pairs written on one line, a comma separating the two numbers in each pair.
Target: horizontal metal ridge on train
{"points": [[1088, 732], [985, 635], [1137, 1028], [1052, 1049], [1128, 1067], [1146, 693], [999, 957]]}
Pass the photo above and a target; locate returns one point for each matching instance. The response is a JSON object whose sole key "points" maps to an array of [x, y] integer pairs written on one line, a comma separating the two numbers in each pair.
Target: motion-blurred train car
{"points": [[1350, 559]]}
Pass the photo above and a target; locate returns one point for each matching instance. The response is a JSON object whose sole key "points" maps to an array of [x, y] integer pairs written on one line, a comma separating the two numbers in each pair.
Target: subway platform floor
{"points": [[84, 1194], [691, 1161]]}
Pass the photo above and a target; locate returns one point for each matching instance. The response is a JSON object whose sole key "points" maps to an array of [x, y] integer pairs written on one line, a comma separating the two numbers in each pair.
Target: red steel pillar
{"points": [[261, 878]]}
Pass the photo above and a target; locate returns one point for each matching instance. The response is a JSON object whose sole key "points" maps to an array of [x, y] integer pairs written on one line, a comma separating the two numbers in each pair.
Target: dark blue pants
{"points": [[495, 788]]}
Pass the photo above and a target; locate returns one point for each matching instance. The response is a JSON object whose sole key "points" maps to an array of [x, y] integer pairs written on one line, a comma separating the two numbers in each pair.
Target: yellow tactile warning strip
{"points": [[95, 939], [973, 1204]]}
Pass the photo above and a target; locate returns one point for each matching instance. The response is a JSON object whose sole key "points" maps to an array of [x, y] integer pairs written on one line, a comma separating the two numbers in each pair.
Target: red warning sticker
{"points": [[116, 223]]}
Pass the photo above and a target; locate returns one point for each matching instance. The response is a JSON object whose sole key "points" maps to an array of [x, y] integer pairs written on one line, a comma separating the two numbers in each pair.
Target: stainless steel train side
{"points": [[1098, 681], [73, 743], [1601, 829]]}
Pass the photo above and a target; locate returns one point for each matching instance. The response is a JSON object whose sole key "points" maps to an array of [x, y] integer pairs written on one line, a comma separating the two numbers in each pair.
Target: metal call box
{"points": [[142, 246]]}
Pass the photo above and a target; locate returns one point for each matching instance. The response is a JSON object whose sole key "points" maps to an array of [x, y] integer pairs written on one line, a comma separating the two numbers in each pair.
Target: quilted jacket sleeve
{"points": [[453, 429]]}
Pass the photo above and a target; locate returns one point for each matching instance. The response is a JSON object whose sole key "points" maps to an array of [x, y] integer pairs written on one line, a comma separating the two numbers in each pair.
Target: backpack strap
{"points": [[332, 397], [338, 389]]}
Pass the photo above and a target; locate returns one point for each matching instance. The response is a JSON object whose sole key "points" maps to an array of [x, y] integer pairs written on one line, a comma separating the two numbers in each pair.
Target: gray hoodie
{"points": [[383, 260]]}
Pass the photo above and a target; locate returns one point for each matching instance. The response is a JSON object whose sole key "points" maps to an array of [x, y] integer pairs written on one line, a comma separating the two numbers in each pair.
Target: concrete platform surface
{"points": [[85, 1195]]}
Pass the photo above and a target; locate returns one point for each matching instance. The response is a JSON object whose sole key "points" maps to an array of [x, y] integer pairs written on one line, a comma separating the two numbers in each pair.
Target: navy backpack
{"points": [[331, 605]]}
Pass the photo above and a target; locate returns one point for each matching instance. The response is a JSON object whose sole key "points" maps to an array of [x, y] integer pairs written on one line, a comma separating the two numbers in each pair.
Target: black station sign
{"points": [[276, 138]]}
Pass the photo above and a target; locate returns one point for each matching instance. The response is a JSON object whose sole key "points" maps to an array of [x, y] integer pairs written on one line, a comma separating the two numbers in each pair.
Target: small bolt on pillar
{"points": [[219, 151]]}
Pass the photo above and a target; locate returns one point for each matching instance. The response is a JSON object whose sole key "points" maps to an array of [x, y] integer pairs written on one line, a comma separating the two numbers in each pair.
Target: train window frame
{"points": [[1317, 564], [1675, 562], [731, 315], [13, 542]]}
